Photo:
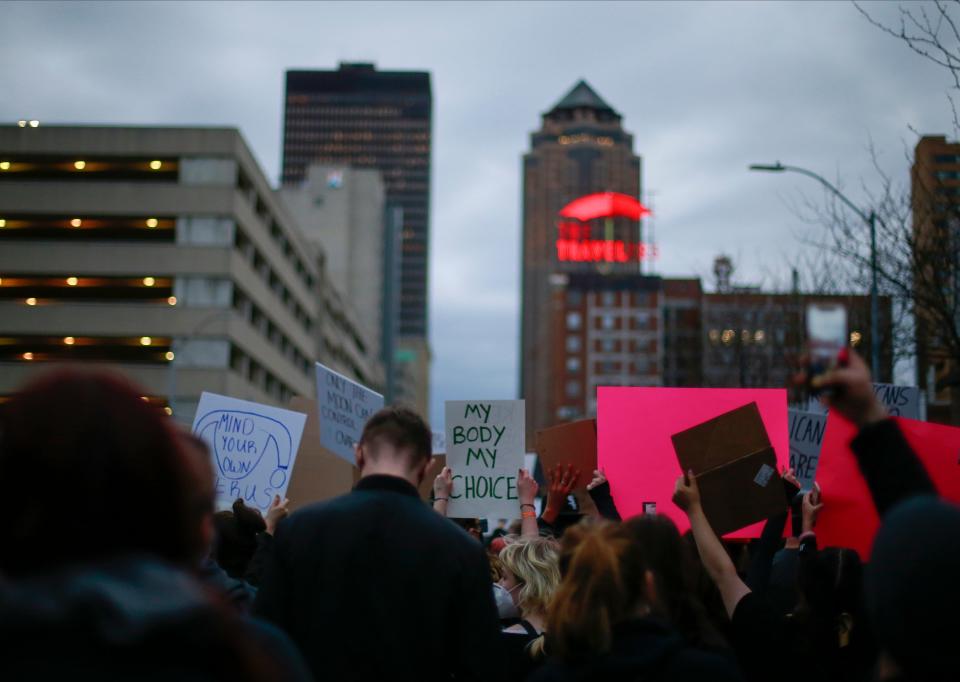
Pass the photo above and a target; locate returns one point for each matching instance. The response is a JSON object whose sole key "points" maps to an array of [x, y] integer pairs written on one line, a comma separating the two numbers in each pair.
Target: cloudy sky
{"points": [[706, 88]]}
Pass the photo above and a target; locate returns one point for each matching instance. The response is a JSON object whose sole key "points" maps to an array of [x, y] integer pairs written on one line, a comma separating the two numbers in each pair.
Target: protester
{"points": [[911, 595], [827, 630], [374, 585], [529, 575], [108, 515], [607, 620]]}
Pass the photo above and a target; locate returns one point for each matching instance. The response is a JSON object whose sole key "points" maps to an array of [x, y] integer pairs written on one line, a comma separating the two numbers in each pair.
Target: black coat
{"points": [[645, 650], [375, 585], [134, 618]]}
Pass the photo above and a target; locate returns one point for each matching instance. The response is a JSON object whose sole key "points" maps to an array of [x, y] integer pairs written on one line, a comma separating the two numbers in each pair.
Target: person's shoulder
{"points": [[285, 658]]}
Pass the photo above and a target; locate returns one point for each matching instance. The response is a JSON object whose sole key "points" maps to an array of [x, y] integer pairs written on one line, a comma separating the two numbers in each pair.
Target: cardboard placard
{"points": [[344, 407], [253, 447], [806, 438], [849, 517], [574, 443], [735, 466], [318, 474], [635, 448], [485, 448]]}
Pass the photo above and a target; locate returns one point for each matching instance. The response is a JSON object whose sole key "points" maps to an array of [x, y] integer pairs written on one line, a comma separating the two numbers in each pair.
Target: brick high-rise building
{"points": [[369, 119], [587, 251], [935, 195]]}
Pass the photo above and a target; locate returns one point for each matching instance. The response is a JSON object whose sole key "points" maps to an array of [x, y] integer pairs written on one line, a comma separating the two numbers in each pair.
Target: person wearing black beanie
{"points": [[911, 592]]}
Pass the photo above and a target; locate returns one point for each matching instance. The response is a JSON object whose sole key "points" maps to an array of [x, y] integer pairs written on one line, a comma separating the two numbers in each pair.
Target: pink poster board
{"points": [[634, 426]]}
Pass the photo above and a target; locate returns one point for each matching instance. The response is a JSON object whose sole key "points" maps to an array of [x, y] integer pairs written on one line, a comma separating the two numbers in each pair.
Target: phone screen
{"points": [[826, 335]]}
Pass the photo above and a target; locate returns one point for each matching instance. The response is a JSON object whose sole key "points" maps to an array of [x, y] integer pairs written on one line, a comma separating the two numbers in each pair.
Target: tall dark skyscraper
{"points": [[367, 118]]}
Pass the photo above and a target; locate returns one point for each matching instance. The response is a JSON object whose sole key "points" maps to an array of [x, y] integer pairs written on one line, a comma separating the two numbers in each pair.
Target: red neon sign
{"points": [[603, 251], [604, 205]]}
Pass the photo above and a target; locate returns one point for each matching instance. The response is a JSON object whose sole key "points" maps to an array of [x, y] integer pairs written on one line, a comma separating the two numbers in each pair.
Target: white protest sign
{"points": [[806, 437], [344, 407], [439, 443], [486, 444], [253, 447], [900, 401]]}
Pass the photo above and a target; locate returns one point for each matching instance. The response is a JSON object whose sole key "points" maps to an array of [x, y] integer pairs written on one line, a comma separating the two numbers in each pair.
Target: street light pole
{"points": [[871, 221]]}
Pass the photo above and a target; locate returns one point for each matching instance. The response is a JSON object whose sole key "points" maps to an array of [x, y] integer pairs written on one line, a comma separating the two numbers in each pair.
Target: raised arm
{"points": [[714, 557], [599, 489], [888, 464], [442, 487], [527, 488], [563, 479]]}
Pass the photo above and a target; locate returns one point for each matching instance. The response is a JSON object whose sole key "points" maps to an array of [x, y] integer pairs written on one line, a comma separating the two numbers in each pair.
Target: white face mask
{"points": [[505, 606]]}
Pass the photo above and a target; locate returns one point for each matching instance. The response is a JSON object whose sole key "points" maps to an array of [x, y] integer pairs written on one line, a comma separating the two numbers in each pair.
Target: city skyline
{"points": [[705, 89]]}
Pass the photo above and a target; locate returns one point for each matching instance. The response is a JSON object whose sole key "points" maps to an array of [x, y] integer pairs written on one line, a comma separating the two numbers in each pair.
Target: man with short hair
{"points": [[374, 585]]}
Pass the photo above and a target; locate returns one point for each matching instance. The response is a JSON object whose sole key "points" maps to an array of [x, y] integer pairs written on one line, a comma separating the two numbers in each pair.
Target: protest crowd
{"points": [[116, 565]]}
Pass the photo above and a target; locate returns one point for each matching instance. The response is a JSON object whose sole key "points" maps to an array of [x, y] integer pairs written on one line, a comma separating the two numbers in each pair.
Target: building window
{"points": [[574, 298], [573, 389], [573, 344], [573, 364], [606, 322], [573, 320], [607, 345], [608, 298]]}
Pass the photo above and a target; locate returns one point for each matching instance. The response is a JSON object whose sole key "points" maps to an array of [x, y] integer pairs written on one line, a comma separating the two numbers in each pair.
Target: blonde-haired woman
{"points": [[529, 573]]}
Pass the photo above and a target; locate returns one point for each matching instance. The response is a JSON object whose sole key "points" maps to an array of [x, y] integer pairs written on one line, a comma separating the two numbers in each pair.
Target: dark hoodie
{"points": [[646, 650], [133, 618]]}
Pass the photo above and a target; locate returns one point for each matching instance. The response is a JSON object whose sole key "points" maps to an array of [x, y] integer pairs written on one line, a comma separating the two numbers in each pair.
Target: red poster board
{"points": [[634, 446], [849, 518]]}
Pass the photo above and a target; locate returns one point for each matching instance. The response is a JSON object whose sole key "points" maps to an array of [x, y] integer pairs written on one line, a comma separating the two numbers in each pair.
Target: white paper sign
{"points": [[486, 444], [253, 447], [344, 406], [900, 401], [806, 437]]}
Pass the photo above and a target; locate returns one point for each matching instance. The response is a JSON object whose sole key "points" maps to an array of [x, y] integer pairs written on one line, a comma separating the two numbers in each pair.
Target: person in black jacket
{"points": [[97, 575], [374, 585], [607, 620]]}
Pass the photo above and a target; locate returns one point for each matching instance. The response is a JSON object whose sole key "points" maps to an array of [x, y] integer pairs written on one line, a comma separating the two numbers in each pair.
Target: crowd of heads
{"points": [[93, 473]]}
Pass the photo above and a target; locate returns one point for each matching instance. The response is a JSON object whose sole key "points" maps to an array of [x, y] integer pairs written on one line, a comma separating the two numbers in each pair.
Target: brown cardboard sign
{"points": [[317, 473], [735, 466], [574, 443]]}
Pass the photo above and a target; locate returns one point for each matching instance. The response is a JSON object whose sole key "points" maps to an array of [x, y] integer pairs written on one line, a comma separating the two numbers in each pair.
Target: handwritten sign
{"points": [[485, 448], [344, 407], [900, 401], [253, 447], [806, 438]]}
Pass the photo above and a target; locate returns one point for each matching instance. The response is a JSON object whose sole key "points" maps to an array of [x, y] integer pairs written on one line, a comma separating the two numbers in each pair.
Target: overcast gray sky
{"points": [[706, 88]]}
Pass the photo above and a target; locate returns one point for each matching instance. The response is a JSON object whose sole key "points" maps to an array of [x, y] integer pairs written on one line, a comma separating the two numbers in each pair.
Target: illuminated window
{"points": [[145, 340], [76, 222], [573, 389], [608, 298], [573, 364], [573, 320], [759, 336], [156, 165], [152, 222], [4, 165], [3, 222], [72, 281], [573, 344], [607, 322], [149, 281], [69, 340], [31, 301], [79, 165]]}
